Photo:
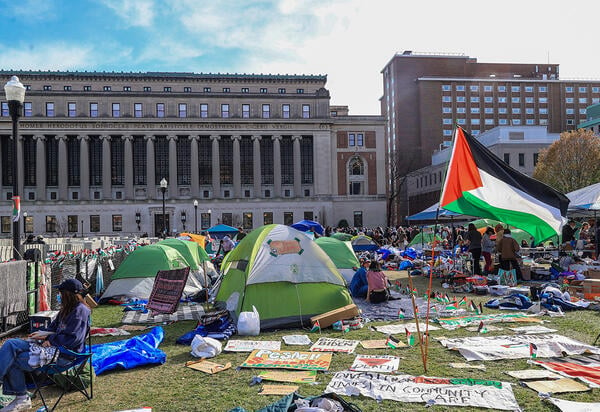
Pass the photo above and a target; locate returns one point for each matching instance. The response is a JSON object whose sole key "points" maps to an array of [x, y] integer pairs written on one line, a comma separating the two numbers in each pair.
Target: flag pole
{"points": [[437, 214], [416, 313]]}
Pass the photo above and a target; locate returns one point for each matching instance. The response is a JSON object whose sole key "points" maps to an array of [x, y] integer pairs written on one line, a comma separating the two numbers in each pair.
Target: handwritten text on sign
{"points": [[263, 358]]}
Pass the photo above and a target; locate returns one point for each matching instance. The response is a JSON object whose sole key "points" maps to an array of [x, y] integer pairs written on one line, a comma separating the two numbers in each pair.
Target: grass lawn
{"points": [[173, 387]]}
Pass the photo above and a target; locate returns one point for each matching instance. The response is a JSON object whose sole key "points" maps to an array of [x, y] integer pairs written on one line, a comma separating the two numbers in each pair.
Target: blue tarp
{"points": [[222, 329], [129, 353], [306, 225]]}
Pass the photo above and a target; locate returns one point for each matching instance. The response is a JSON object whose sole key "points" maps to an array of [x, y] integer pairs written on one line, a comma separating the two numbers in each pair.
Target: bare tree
{"points": [[570, 163], [400, 165]]}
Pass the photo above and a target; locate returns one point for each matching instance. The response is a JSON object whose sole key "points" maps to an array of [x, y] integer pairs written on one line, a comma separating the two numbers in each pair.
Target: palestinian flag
{"points": [[472, 306], [392, 342], [481, 328], [532, 350], [401, 314], [16, 212], [410, 339], [480, 312], [463, 301], [480, 184], [316, 327]]}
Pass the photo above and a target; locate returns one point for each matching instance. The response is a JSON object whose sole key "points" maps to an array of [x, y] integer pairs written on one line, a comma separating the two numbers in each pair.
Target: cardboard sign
{"points": [[399, 328], [284, 247], [571, 406], [557, 386], [379, 344], [264, 358], [375, 363], [207, 366], [436, 391], [296, 340], [529, 374], [474, 320], [288, 376], [466, 366], [516, 346], [278, 389], [334, 345], [234, 345]]}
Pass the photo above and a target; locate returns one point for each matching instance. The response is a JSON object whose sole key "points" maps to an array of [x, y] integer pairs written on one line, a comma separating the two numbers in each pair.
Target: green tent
{"points": [[284, 274], [134, 278], [191, 251], [424, 239], [341, 254], [517, 234], [341, 236]]}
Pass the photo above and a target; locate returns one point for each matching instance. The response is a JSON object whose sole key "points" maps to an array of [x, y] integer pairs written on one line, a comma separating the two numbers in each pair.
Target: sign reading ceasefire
{"points": [[264, 358]]}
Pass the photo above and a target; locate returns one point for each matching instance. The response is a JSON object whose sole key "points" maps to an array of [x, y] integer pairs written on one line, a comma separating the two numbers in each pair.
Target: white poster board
{"points": [[375, 363], [334, 345], [234, 345]]}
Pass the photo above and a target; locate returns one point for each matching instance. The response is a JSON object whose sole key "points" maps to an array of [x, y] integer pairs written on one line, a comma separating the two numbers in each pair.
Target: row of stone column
{"points": [[128, 187]]}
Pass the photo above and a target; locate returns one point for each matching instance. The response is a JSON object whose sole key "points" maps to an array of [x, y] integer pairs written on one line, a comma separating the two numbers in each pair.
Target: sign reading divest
{"points": [[334, 345], [439, 391], [264, 358]]}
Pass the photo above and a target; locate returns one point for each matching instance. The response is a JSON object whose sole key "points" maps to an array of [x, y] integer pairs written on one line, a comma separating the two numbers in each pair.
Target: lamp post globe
{"points": [[195, 216], [15, 95], [163, 189]]}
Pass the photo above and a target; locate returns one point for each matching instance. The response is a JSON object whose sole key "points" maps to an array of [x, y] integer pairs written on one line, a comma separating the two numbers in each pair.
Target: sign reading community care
{"points": [[435, 391], [264, 358]]}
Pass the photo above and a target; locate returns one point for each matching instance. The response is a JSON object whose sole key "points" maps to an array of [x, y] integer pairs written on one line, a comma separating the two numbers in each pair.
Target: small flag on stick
{"points": [[410, 339], [392, 342], [472, 306], [463, 301], [401, 314], [481, 328], [316, 327], [480, 309]]}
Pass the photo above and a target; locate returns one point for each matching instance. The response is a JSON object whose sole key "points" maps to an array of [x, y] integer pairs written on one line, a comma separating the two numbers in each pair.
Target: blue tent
{"points": [[306, 225], [220, 231], [431, 212]]}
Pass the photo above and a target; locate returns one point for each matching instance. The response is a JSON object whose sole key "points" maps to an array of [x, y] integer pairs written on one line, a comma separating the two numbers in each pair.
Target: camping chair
{"points": [[66, 376]]}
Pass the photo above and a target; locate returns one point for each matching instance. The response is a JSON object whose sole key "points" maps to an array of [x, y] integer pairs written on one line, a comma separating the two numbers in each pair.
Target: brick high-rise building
{"points": [[425, 95]]}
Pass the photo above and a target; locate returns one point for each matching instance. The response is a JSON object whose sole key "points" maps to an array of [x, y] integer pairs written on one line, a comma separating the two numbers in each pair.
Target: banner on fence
{"points": [[334, 345], [516, 346], [375, 363], [264, 358], [433, 391], [234, 345]]}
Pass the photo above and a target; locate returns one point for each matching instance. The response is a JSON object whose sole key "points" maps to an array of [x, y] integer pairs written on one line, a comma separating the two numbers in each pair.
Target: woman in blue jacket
{"points": [[68, 330]]}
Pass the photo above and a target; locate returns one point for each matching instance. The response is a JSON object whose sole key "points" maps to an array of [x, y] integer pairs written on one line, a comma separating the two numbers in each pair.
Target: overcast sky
{"points": [[348, 40]]}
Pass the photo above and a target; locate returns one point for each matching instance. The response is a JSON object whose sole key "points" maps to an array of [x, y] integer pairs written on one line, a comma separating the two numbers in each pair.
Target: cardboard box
{"points": [[41, 320], [329, 318], [591, 287]]}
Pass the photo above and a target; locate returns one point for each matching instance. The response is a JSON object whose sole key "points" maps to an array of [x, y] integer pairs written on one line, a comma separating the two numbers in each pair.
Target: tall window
{"points": [[285, 111], [266, 111], [358, 219], [205, 160], [139, 161], [95, 163], [287, 161], [226, 161], [72, 223], [94, 223], [27, 109], [266, 161], [247, 220], [72, 109], [267, 218], [5, 112], [138, 110], [182, 110], [246, 160], [184, 159], [224, 110], [507, 158], [6, 224], [288, 218], [245, 111], [52, 162], [356, 139], [160, 110], [521, 159], [50, 109], [161, 159], [117, 162], [73, 161], [305, 111], [204, 110], [93, 109], [356, 171], [29, 224], [116, 110], [306, 159], [29, 160], [117, 223], [50, 224]]}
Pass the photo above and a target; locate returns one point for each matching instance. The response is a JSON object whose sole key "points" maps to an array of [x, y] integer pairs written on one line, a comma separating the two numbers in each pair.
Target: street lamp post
{"points": [[163, 189], [25, 225], [196, 216], [183, 219], [15, 95], [138, 220]]}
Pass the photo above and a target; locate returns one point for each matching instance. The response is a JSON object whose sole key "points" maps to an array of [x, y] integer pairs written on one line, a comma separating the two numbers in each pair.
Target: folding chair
{"points": [[66, 372]]}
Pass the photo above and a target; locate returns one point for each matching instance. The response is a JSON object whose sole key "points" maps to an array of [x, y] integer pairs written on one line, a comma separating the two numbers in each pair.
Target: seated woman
{"points": [[378, 284], [68, 330], [359, 286]]}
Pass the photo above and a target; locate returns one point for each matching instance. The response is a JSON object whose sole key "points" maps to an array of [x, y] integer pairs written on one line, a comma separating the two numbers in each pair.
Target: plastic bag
{"points": [[249, 323], [205, 347]]}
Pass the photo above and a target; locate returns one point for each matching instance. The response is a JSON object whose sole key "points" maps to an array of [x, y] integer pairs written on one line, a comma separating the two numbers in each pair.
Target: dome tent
{"points": [[341, 254], [284, 274]]}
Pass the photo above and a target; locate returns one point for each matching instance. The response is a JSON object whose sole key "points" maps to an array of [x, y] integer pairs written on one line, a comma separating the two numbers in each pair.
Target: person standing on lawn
{"points": [[473, 239]]}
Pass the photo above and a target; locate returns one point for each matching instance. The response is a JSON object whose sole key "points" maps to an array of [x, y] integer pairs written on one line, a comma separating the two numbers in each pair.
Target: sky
{"points": [[350, 41]]}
